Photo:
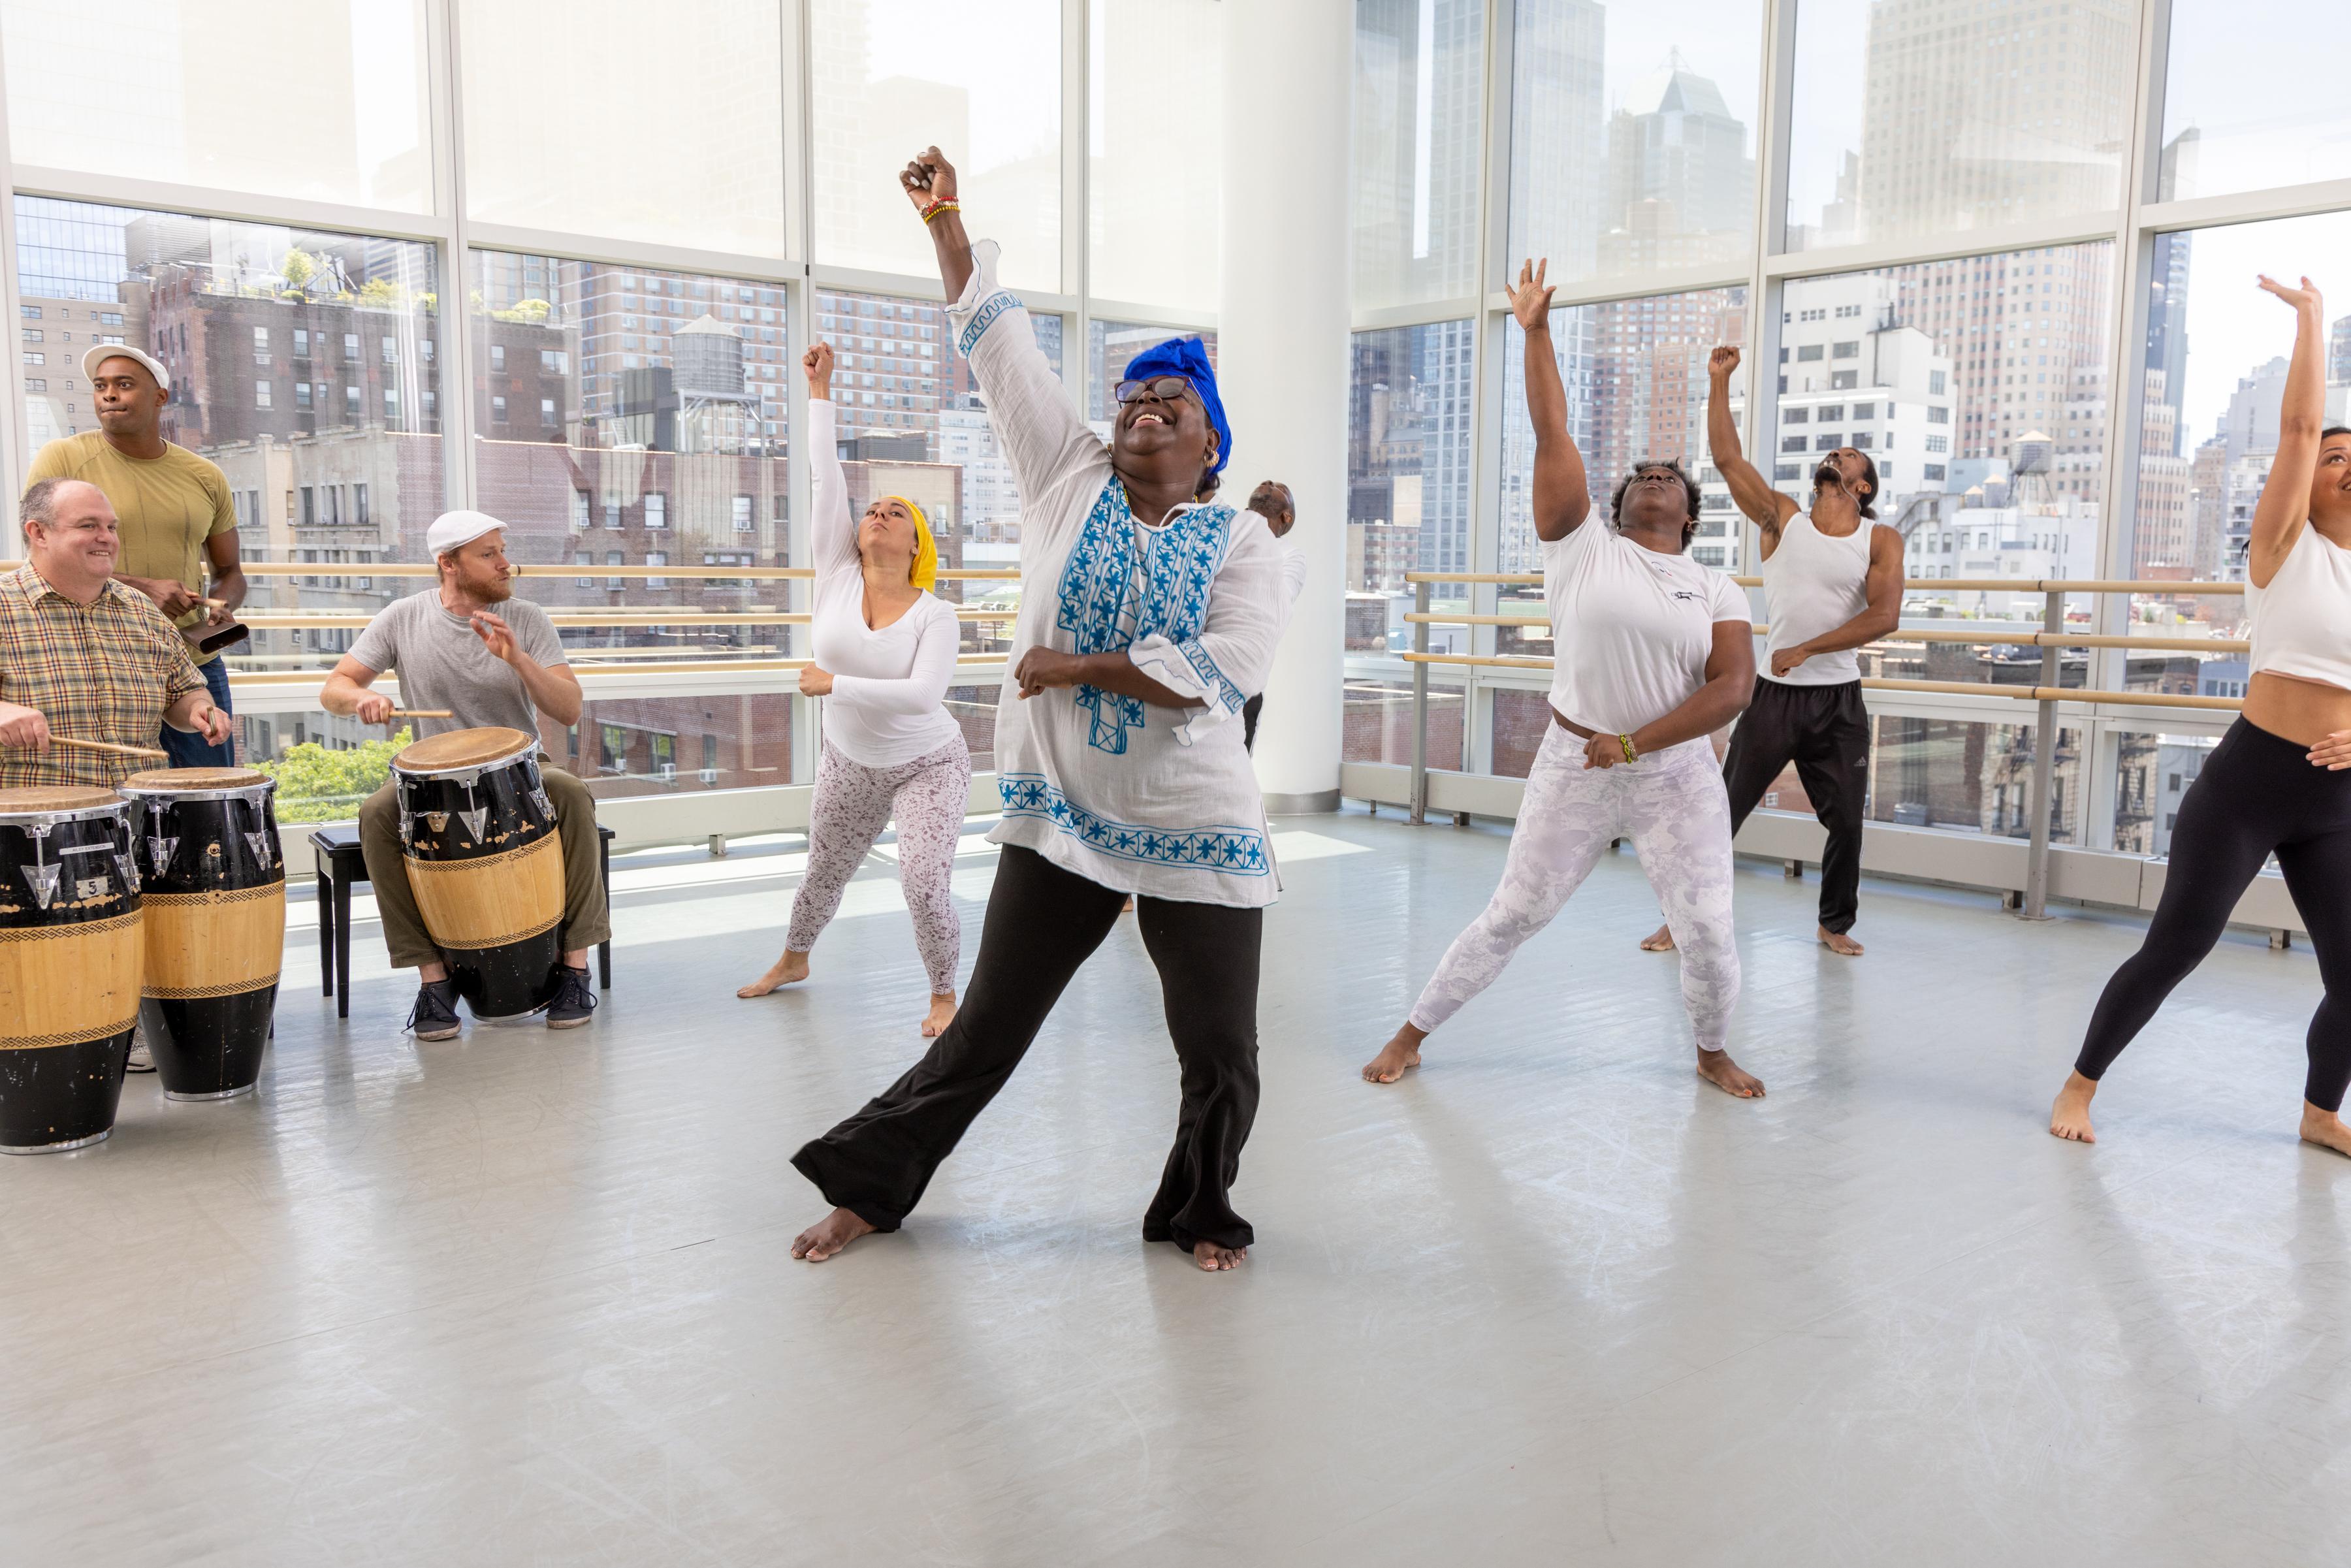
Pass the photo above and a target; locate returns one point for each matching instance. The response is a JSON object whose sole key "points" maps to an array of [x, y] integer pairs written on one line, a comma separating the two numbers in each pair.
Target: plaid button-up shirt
{"points": [[103, 670]]}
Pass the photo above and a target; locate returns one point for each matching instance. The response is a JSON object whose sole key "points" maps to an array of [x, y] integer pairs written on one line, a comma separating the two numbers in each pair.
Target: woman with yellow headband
{"points": [[885, 652]]}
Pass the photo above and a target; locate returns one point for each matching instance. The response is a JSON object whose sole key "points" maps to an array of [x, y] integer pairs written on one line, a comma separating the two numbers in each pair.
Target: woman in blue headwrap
{"points": [[1149, 610]]}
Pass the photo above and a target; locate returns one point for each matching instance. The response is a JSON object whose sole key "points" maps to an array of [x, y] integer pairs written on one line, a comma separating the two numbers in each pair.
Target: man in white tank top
{"points": [[1831, 583]]}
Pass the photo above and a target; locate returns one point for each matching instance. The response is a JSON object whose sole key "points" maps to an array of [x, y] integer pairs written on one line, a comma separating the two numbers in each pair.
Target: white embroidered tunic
{"points": [[1159, 802]]}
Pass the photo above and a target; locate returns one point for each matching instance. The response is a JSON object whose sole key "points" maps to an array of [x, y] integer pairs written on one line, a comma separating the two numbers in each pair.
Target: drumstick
{"points": [[422, 713], [107, 745]]}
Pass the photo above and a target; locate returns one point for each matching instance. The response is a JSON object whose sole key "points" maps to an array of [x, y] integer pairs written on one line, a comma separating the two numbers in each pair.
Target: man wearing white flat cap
{"points": [[470, 646], [177, 520]]}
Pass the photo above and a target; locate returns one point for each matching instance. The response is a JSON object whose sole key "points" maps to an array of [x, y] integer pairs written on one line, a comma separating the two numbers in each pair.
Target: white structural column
{"points": [[1283, 344]]}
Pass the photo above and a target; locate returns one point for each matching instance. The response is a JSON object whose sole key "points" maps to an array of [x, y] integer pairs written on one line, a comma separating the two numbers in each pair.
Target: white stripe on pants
{"points": [[1672, 806]]}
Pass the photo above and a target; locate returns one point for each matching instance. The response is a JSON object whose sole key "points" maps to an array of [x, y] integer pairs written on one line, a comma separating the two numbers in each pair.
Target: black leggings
{"points": [[1042, 924], [2258, 794]]}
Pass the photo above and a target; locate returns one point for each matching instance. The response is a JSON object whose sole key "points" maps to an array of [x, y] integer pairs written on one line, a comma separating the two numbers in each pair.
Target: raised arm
{"points": [[1562, 497], [1044, 439], [833, 531], [2285, 506], [1881, 617], [1753, 494]]}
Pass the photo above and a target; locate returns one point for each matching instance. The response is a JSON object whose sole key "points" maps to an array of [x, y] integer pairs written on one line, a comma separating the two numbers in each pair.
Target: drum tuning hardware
{"points": [[160, 851], [437, 821], [130, 870], [475, 820], [546, 806], [259, 844], [43, 881]]}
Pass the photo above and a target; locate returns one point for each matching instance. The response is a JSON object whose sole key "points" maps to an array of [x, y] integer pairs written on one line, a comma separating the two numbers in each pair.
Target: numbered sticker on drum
{"points": [[92, 887]]}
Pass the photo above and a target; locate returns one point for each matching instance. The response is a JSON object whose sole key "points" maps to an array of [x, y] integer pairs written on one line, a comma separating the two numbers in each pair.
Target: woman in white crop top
{"points": [[2280, 781], [1652, 653], [885, 653]]}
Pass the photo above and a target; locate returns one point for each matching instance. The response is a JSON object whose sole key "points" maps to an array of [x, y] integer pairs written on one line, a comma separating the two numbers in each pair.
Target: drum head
{"points": [[192, 780], [41, 800], [461, 749]]}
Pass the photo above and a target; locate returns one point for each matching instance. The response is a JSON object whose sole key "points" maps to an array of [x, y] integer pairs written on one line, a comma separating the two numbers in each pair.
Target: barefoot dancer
{"points": [[1146, 611], [1652, 652], [1831, 583], [885, 653], [2277, 782]]}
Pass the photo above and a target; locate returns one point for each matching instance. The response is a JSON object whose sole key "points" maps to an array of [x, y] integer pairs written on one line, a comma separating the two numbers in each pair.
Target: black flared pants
{"points": [[1042, 924]]}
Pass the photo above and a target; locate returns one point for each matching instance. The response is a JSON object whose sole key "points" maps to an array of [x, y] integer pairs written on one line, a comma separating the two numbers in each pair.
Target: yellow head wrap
{"points": [[926, 549]]}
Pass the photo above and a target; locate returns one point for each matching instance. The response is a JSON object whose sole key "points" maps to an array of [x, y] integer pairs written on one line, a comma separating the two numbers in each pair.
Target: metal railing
{"points": [[2045, 694]]}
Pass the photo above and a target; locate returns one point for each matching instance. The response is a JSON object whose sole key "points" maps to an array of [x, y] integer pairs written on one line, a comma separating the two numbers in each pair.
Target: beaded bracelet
{"points": [[1627, 742], [936, 208]]}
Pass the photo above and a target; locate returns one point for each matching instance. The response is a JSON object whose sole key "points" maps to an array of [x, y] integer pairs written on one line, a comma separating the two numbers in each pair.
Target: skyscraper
{"points": [[1681, 186]]}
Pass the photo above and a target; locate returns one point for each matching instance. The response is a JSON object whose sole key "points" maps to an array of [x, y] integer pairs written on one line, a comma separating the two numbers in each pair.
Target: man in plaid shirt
{"points": [[83, 658]]}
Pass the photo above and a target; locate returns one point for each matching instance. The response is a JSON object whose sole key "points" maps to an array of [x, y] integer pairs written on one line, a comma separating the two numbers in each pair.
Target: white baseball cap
{"points": [[93, 357], [455, 530]]}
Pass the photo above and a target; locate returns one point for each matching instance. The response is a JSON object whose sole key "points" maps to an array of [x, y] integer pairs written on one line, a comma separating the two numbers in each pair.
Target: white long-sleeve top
{"points": [[889, 684], [1159, 802]]}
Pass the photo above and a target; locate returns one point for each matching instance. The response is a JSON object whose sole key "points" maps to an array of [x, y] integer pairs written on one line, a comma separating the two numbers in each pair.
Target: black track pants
{"points": [[1825, 733], [1043, 923], [2258, 795]]}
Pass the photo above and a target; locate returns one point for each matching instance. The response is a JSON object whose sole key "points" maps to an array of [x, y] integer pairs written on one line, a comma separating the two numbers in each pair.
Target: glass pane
{"points": [[589, 119], [2228, 123], [883, 85], [2152, 773], [1108, 346], [320, 102], [1957, 774], [1418, 64], [630, 417], [1977, 388], [1138, 188], [1632, 142], [304, 362], [1637, 386], [1912, 119], [2214, 373], [1408, 507]]}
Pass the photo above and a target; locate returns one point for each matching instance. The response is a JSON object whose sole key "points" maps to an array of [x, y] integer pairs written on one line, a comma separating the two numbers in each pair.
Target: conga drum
{"points": [[477, 834], [69, 962], [214, 890]]}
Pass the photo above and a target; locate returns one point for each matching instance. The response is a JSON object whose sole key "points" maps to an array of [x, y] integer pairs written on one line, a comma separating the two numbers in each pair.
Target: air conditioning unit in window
{"points": [[709, 776], [669, 772]]}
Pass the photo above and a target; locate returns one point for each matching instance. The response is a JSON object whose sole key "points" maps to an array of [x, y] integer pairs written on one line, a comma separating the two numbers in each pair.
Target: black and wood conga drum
{"points": [[215, 891], [478, 832], [69, 962]]}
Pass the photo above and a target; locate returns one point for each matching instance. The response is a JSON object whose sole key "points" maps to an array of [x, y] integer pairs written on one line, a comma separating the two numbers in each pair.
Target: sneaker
{"points": [[434, 1016], [575, 998], [141, 1059]]}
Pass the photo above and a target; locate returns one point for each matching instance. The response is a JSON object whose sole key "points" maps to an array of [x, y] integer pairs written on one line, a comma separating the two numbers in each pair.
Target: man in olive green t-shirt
{"points": [[175, 513]]}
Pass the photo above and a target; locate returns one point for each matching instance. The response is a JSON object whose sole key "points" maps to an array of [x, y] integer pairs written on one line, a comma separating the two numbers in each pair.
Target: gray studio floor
{"points": [[526, 1297]]}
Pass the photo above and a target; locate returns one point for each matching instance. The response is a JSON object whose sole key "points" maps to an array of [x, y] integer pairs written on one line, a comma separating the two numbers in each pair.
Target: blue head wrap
{"points": [[1189, 358]]}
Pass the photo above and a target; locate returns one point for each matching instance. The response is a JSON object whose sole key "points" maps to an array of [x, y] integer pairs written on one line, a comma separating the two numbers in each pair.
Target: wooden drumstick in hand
{"points": [[108, 747]]}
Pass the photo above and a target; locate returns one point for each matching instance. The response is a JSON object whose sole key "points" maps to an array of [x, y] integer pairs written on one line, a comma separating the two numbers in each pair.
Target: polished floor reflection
{"points": [[525, 1297]]}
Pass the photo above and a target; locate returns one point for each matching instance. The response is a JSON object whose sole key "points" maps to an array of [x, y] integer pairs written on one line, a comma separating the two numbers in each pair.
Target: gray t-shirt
{"points": [[442, 663]]}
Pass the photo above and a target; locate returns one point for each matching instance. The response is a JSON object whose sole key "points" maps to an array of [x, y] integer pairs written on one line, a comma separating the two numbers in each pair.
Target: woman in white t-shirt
{"points": [[885, 653], [1653, 652]]}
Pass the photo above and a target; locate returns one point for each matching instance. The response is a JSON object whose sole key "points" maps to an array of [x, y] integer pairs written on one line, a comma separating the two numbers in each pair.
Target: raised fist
{"points": [[1722, 362], [929, 178]]}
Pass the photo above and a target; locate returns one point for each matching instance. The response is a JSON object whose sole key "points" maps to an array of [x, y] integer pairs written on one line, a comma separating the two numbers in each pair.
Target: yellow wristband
{"points": [[1627, 742]]}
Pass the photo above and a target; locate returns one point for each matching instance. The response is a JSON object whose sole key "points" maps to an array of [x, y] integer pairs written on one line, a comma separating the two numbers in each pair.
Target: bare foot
{"points": [[942, 1013], [2070, 1116], [1716, 1068], [1397, 1054], [829, 1236], [1661, 940], [1213, 1258], [788, 970], [1838, 942], [2326, 1129]]}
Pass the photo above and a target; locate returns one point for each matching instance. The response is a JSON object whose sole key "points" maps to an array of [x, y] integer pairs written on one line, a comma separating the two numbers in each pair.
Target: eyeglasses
{"points": [[1167, 389]]}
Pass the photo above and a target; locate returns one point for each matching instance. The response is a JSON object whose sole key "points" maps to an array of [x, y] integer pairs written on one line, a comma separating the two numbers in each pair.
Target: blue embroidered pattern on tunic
{"points": [[995, 305], [1097, 593], [1236, 851]]}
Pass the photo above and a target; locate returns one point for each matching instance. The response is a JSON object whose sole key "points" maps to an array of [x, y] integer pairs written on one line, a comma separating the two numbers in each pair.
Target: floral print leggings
{"points": [[1673, 807], [851, 805]]}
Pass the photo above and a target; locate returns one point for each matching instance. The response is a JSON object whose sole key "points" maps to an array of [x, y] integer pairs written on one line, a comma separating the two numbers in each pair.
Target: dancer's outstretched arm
{"points": [[1767, 508], [1562, 497], [2285, 506], [833, 531]]}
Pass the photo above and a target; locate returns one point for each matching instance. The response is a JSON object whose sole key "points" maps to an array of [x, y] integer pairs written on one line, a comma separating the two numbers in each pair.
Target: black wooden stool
{"points": [[340, 864]]}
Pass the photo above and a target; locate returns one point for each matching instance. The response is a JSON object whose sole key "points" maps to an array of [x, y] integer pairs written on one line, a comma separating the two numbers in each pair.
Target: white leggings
{"points": [[850, 806], [1672, 806]]}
